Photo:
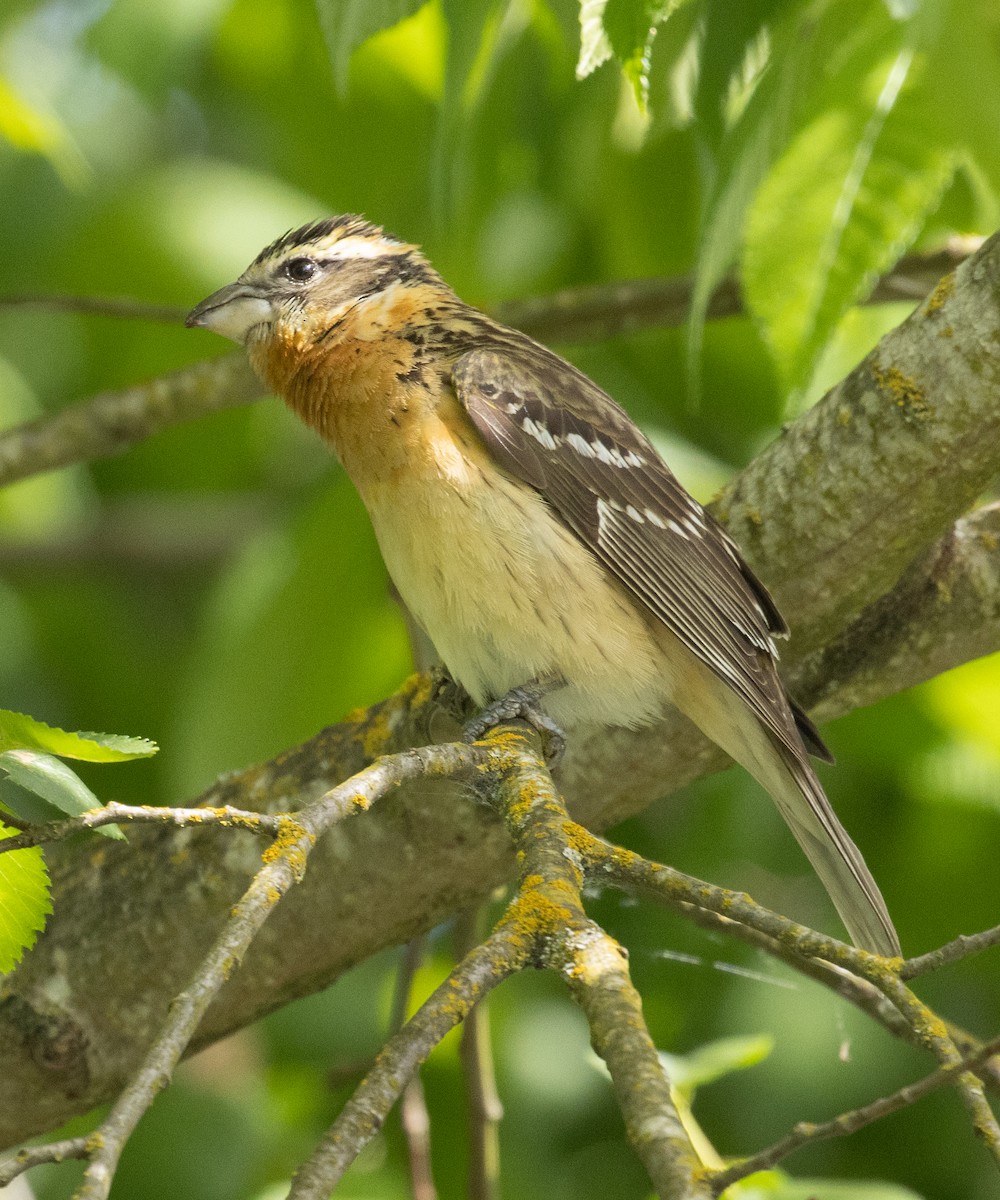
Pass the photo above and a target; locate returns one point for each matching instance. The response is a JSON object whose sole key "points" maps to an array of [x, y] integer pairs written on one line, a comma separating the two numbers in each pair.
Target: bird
{"points": [[557, 565]]}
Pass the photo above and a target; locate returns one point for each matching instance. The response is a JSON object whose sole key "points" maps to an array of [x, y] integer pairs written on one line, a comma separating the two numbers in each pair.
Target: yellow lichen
{"points": [[940, 295], [904, 392], [375, 737], [536, 914], [290, 844]]}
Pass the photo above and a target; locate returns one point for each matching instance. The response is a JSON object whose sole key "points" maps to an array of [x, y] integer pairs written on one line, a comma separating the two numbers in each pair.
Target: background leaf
{"points": [[19, 731], [24, 900], [55, 783], [861, 183], [349, 23]]}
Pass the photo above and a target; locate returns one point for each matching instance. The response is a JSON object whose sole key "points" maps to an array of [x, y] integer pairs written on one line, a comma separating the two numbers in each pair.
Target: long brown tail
{"points": [[835, 858]]}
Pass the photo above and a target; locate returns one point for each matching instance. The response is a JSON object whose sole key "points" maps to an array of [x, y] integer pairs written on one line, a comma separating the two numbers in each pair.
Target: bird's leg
{"points": [[449, 694], [524, 703]]}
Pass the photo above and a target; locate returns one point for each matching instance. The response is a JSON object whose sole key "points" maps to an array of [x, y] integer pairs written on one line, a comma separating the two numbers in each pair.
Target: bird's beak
{"points": [[233, 311]]}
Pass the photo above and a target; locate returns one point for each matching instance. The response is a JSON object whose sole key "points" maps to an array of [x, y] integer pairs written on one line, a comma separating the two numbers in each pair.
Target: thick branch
{"points": [[835, 511], [945, 610]]}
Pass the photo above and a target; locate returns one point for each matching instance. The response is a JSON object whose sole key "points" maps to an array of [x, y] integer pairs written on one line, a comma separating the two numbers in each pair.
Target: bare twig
{"points": [[475, 1050], [413, 1113], [806, 1132], [112, 422], [549, 905], [416, 1122], [114, 813], [952, 952], [118, 307], [927, 1029], [863, 995], [34, 1156], [488, 965]]}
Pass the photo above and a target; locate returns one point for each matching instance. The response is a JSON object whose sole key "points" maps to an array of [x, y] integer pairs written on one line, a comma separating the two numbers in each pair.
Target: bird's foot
{"points": [[524, 704]]}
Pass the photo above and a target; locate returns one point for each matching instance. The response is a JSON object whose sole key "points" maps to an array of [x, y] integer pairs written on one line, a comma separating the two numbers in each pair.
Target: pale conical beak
{"points": [[233, 311]]}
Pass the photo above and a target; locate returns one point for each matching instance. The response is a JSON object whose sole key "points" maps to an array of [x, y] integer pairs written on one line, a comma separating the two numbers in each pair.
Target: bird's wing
{"points": [[551, 426]]}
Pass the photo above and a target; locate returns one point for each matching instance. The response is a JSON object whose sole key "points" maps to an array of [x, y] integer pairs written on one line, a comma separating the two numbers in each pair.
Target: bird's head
{"points": [[312, 281]]}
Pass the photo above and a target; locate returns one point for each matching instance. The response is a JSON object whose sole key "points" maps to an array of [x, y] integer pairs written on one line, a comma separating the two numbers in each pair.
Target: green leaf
{"points": [[710, 1062], [747, 148], [625, 28], [33, 130], [51, 779], [595, 45], [775, 1185], [631, 26], [841, 205], [24, 900], [348, 23], [18, 731]]}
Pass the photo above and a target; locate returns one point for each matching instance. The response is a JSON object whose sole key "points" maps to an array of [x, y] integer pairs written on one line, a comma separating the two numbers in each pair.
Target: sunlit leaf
{"points": [[841, 205], [31, 129], [18, 731], [348, 23], [626, 29], [739, 163], [775, 1185], [24, 900], [595, 46], [712, 1061], [631, 26], [56, 783]]}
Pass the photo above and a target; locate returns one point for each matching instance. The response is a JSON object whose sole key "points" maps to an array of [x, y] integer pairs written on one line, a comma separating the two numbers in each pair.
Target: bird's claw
{"points": [[521, 703]]}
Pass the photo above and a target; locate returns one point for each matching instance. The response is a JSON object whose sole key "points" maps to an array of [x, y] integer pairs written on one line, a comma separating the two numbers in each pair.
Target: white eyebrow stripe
{"points": [[358, 247]]}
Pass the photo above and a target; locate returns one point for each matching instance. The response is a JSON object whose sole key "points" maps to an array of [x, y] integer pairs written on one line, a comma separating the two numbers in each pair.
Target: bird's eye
{"points": [[299, 270]]}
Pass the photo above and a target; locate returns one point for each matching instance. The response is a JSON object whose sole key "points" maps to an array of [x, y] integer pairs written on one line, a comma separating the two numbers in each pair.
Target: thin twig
{"points": [[361, 1118], [475, 1052], [549, 903], [114, 813], [50, 1152], [951, 952], [928, 1030], [413, 1114], [112, 422], [118, 307], [859, 992], [806, 1132], [416, 1122]]}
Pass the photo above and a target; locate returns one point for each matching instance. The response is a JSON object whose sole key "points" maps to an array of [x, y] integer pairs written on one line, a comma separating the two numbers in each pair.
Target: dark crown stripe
{"points": [[348, 223]]}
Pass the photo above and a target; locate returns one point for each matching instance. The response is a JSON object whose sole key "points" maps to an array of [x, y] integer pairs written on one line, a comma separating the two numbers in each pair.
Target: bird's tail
{"points": [[781, 765], [802, 802]]}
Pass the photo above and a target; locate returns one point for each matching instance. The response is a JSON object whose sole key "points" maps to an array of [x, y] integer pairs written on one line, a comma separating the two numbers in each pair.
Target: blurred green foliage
{"points": [[218, 588]]}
